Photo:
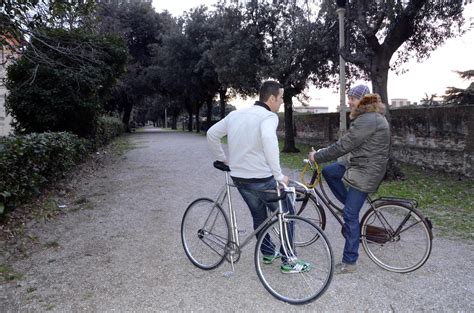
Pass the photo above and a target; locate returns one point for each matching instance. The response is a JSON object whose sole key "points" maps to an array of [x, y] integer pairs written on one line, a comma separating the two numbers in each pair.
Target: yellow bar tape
{"points": [[315, 166]]}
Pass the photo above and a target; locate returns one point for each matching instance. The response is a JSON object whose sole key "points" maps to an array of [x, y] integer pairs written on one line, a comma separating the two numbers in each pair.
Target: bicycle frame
{"points": [[225, 193], [321, 196]]}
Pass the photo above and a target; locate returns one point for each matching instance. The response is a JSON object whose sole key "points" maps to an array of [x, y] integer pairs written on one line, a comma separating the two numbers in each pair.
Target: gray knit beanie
{"points": [[358, 91]]}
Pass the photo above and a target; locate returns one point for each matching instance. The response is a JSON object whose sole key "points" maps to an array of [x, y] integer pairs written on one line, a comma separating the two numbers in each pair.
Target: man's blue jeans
{"points": [[258, 198], [353, 200]]}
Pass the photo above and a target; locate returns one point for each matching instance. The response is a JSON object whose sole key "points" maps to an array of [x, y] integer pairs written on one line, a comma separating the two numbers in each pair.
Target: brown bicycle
{"points": [[394, 233]]}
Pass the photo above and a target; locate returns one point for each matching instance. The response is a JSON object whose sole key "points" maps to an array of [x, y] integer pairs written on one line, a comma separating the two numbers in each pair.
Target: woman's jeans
{"points": [[258, 198], [353, 200]]}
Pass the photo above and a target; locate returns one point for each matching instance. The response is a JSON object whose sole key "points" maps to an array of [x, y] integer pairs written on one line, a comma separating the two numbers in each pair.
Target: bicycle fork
{"points": [[233, 223], [283, 225]]}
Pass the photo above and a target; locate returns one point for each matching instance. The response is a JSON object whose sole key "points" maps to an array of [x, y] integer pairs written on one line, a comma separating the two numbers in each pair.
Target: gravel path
{"points": [[125, 253]]}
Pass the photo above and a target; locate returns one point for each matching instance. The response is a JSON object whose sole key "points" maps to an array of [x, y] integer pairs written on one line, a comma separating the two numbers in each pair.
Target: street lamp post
{"points": [[341, 4]]}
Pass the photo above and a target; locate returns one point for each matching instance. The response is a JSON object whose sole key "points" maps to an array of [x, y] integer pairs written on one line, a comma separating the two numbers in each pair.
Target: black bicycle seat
{"points": [[221, 166]]}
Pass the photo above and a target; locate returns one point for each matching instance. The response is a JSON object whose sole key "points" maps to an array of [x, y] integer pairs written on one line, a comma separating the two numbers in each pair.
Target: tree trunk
{"points": [[127, 111], [198, 122], [190, 121], [209, 113], [289, 146], [174, 121], [189, 109], [222, 96], [379, 77]]}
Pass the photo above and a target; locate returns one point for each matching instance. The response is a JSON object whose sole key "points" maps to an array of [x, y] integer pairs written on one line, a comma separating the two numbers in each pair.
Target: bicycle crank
{"points": [[232, 252]]}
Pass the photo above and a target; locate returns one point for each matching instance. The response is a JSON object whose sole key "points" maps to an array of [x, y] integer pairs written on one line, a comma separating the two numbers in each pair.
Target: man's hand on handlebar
{"points": [[285, 180]]}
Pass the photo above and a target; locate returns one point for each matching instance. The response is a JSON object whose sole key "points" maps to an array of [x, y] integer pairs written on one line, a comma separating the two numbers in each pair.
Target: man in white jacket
{"points": [[254, 160]]}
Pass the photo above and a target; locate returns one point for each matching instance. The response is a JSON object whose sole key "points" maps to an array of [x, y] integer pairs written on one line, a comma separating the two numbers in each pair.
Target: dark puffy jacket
{"points": [[366, 144]]}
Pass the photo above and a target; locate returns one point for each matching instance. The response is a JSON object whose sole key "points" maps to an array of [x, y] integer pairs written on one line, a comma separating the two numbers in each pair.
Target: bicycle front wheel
{"points": [[205, 233], [311, 277], [396, 237]]}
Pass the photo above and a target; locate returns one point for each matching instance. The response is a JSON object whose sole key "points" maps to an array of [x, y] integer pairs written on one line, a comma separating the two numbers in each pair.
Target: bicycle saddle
{"points": [[221, 166]]}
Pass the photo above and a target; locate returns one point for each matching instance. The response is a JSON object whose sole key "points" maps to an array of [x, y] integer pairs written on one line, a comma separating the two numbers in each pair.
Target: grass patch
{"points": [[7, 274], [52, 244], [48, 209], [294, 160], [122, 145], [444, 198]]}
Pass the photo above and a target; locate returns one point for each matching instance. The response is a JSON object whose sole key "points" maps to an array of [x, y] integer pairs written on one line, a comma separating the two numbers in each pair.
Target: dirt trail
{"points": [[125, 253]]}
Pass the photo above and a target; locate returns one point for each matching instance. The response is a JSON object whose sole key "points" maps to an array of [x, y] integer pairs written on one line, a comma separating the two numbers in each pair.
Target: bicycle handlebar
{"points": [[316, 178]]}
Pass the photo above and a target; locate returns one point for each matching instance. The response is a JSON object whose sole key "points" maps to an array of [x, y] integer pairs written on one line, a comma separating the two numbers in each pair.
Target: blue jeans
{"points": [[258, 198], [353, 200]]}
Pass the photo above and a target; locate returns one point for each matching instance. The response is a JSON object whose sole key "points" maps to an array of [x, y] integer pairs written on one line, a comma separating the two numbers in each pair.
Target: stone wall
{"points": [[438, 138]]}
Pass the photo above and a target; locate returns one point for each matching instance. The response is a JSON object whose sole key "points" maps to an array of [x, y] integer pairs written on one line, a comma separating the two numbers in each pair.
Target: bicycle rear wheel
{"points": [[301, 287], [307, 207], [396, 237], [205, 233]]}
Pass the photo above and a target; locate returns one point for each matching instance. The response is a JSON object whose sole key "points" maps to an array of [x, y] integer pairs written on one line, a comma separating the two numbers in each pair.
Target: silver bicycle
{"points": [[210, 236]]}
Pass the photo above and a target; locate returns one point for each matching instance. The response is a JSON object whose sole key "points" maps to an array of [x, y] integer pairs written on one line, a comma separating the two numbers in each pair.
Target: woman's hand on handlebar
{"points": [[311, 154]]}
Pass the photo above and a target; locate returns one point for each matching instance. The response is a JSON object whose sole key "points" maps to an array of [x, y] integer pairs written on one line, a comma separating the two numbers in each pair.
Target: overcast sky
{"points": [[429, 77]]}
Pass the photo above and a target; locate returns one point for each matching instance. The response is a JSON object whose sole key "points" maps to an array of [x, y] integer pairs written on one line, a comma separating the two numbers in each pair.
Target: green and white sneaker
{"points": [[299, 266], [268, 259]]}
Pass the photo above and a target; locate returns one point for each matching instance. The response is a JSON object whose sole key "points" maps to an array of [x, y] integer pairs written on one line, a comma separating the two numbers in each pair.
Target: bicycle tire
{"points": [[205, 233], [396, 237], [296, 288]]}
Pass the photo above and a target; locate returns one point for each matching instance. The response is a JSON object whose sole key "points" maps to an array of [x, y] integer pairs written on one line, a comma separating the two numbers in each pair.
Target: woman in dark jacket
{"points": [[366, 148]]}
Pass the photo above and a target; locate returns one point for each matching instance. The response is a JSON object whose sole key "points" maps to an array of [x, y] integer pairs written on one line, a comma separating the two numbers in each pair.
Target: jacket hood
{"points": [[368, 103]]}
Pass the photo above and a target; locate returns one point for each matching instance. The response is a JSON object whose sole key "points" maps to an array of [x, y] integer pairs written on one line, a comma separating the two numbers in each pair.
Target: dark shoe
{"points": [[344, 268]]}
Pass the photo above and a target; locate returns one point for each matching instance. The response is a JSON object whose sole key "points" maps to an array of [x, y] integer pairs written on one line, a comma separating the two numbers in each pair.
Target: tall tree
{"points": [[378, 30], [173, 67], [143, 29], [201, 33], [461, 96], [237, 53], [23, 20], [296, 52], [66, 94]]}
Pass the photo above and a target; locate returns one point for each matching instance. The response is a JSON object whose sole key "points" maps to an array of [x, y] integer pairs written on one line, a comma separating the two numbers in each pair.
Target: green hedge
{"points": [[107, 128], [28, 162]]}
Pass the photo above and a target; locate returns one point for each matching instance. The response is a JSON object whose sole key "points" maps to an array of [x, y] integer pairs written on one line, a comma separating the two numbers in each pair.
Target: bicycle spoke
{"points": [[220, 243], [312, 264], [205, 246]]}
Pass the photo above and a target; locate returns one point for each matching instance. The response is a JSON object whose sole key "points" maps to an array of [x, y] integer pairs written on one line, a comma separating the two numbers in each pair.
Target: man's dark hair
{"points": [[268, 88]]}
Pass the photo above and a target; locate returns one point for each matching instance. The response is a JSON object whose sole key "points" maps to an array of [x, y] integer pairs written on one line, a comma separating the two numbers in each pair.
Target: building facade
{"points": [[399, 102], [310, 109]]}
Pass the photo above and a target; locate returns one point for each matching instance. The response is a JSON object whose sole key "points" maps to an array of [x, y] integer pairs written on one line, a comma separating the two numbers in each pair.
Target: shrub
{"points": [[29, 162], [106, 129]]}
